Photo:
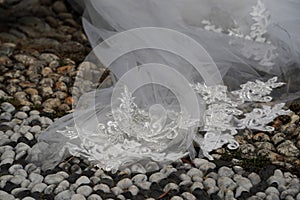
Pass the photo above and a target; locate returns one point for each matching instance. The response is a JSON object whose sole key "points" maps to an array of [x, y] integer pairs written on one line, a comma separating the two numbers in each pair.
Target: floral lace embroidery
{"points": [[261, 20], [224, 117], [137, 133]]}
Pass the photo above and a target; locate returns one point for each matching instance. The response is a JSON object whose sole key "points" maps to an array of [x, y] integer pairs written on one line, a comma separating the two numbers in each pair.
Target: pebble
{"points": [[167, 170], [156, 177], [35, 129], [8, 154], [103, 187], [7, 107], [21, 115], [25, 59], [144, 185], [5, 196], [39, 187], [188, 196], [171, 186], [25, 183], [18, 179], [21, 172], [139, 178], [116, 190], [28, 198], [6, 116], [288, 148], [133, 190], [78, 197], [85, 190], [226, 183], [53, 179], [18, 190], [94, 197], [225, 171], [83, 180], [62, 186], [185, 177], [254, 178], [272, 197], [125, 183], [14, 168], [176, 198], [65, 195], [36, 178]]}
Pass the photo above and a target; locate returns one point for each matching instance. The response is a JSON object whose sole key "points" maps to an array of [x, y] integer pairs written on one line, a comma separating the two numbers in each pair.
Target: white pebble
{"points": [[78, 197], [225, 171], [139, 178], [17, 179], [83, 180], [94, 197], [188, 196], [39, 187], [21, 115], [85, 190], [53, 179], [254, 178], [124, 183], [116, 190], [133, 189], [102, 187], [65, 195]]}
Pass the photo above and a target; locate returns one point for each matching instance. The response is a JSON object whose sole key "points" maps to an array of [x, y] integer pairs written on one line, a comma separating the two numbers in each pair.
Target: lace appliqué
{"points": [[132, 134], [261, 20], [224, 117]]}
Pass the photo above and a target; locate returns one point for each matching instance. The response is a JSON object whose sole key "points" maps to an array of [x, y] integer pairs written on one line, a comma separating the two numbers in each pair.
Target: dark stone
{"points": [[35, 122], [145, 193], [174, 177], [37, 195], [173, 193], [24, 140], [244, 195], [73, 177], [127, 195], [117, 178], [9, 186], [83, 165], [215, 196], [107, 195], [155, 186], [163, 182], [184, 188], [156, 193], [221, 163], [261, 187], [266, 171], [108, 182], [22, 161], [200, 194], [59, 7], [48, 196], [138, 197], [12, 144], [51, 171], [88, 173], [23, 194], [4, 127]]}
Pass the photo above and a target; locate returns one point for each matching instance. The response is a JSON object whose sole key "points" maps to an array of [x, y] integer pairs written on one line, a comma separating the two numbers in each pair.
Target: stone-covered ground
{"points": [[42, 44]]}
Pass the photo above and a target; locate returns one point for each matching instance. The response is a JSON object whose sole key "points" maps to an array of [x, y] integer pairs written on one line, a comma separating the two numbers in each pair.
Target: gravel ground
{"points": [[42, 44]]}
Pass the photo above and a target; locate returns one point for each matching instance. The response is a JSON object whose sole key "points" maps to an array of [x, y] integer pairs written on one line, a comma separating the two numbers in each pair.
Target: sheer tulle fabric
{"points": [[245, 41]]}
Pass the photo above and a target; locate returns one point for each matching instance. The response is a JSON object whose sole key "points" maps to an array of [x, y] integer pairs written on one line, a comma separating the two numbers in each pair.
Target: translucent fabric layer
{"points": [[174, 65]]}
